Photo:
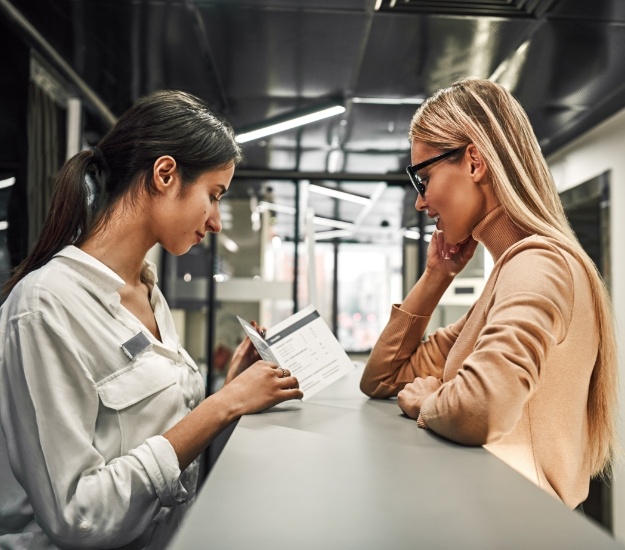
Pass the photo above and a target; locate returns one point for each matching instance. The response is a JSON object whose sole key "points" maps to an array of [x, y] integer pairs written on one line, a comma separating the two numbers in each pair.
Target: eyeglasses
{"points": [[412, 170]]}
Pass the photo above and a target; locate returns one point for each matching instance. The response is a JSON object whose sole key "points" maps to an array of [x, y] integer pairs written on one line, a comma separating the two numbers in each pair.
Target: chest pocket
{"points": [[143, 380], [140, 402]]}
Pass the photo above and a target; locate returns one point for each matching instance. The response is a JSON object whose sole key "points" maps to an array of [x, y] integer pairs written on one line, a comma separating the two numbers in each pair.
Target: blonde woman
{"points": [[530, 371]]}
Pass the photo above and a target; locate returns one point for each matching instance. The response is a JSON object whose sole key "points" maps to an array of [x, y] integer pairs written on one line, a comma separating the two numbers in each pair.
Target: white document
{"points": [[305, 345]]}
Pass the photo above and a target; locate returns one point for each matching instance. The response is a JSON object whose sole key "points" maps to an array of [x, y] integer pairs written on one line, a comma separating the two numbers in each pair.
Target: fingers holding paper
{"points": [[244, 355], [261, 386]]}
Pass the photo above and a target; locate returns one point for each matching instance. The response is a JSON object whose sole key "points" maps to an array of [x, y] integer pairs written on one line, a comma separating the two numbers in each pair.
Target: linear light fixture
{"points": [[335, 193], [264, 205], [333, 234], [329, 222], [389, 100], [414, 234], [290, 121], [228, 243], [7, 183]]}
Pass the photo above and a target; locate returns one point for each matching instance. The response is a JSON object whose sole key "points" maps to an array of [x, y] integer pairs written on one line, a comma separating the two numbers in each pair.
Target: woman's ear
{"points": [[476, 163], [165, 174]]}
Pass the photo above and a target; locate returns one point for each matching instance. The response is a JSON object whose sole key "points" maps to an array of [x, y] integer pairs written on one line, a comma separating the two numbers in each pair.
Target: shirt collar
{"points": [[96, 271]]}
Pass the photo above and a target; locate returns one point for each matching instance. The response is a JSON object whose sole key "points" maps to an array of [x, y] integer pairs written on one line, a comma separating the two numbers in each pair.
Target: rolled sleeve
{"points": [[48, 413], [161, 465]]}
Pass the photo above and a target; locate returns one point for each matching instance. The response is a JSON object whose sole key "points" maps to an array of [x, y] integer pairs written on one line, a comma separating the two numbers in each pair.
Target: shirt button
{"points": [[84, 527], [192, 403]]}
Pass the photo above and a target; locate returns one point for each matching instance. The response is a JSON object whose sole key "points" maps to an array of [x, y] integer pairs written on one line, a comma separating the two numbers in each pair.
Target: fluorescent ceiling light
{"points": [[4, 225], [7, 183], [335, 193], [264, 205], [228, 243], [413, 232], [282, 124], [389, 100], [329, 222], [333, 234]]}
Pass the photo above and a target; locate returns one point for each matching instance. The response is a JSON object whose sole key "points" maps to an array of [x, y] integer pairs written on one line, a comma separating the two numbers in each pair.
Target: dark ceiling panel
{"points": [[285, 53], [572, 77], [309, 5], [411, 55], [371, 125], [254, 59], [491, 8], [596, 10]]}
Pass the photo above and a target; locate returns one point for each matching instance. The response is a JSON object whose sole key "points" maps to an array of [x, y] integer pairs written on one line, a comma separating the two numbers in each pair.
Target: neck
{"points": [[121, 246], [497, 232]]}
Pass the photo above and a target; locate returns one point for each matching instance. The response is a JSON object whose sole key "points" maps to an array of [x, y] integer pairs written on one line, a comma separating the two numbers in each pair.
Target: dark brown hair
{"points": [[91, 183]]}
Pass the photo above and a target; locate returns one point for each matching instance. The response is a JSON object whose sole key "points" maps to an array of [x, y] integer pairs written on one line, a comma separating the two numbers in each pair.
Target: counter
{"points": [[342, 471]]}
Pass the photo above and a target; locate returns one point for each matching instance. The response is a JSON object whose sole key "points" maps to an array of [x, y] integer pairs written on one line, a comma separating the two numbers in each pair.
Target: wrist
{"points": [[437, 279], [426, 293], [226, 406]]}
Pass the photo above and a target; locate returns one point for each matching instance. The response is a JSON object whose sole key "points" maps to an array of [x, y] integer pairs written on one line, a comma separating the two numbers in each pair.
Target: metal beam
{"points": [[330, 176], [37, 41]]}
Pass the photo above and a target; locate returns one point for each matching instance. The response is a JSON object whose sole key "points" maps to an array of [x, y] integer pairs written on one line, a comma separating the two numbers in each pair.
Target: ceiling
{"points": [[256, 59]]}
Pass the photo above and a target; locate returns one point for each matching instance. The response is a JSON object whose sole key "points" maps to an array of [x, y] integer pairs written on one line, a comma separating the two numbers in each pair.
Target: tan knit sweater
{"points": [[515, 369]]}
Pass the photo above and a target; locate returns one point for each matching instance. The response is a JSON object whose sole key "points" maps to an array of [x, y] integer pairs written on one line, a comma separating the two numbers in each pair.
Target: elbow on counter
{"points": [[367, 388], [473, 429], [375, 389]]}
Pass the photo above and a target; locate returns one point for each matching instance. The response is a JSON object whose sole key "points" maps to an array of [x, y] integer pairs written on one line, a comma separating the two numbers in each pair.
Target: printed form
{"points": [[305, 345]]}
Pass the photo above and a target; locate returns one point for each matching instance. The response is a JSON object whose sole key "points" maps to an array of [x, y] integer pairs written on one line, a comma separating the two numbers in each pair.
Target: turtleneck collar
{"points": [[497, 232]]}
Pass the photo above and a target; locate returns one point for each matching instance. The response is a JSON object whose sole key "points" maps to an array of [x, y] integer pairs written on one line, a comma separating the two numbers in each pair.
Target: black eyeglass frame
{"points": [[412, 170]]}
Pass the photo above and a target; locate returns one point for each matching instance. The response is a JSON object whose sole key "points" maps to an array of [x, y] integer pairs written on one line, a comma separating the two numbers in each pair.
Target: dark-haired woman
{"points": [[102, 411]]}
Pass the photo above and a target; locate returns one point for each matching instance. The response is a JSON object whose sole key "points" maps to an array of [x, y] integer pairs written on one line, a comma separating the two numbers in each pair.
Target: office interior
{"points": [[321, 213]]}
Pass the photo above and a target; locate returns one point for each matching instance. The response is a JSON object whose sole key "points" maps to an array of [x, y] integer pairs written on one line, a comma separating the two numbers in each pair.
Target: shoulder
{"points": [[540, 265], [538, 262], [44, 290]]}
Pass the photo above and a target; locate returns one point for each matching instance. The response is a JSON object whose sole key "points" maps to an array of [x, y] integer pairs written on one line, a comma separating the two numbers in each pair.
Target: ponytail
{"points": [[91, 184], [77, 192]]}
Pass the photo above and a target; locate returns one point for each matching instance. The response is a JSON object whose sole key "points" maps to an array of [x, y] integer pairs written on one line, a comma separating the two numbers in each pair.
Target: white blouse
{"points": [[83, 463]]}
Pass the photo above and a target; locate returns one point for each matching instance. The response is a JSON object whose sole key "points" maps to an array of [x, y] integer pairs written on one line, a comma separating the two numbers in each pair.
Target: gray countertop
{"points": [[347, 472]]}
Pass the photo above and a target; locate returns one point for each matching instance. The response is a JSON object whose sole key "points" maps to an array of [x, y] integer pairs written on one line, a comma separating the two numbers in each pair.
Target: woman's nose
{"points": [[213, 224], [421, 203]]}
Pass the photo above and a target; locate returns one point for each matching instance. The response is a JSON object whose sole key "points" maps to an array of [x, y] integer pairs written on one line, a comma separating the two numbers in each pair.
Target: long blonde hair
{"points": [[487, 115]]}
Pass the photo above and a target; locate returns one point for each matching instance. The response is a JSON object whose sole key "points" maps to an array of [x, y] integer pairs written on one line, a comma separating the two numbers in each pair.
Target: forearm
{"points": [[259, 387], [194, 432], [399, 355], [426, 293], [390, 365]]}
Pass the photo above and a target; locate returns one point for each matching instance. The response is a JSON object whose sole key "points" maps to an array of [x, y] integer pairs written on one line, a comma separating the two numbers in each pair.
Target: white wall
{"points": [[599, 150]]}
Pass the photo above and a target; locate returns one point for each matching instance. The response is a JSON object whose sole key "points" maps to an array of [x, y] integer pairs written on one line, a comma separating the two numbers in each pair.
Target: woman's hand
{"points": [[411, 398], [244, 355], [258, 387], [446, 259], [261, 386]]}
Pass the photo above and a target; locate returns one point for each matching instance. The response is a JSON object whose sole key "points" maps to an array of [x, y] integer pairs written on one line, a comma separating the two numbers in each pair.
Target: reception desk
{"points": [[342, 471]]}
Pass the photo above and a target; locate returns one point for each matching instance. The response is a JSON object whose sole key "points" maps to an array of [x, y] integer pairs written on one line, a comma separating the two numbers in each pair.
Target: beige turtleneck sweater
{"points": [[514, 370]]}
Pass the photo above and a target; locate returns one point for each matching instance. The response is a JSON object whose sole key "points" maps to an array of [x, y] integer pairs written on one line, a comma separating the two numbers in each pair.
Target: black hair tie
{"points": [[99, 160]]}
